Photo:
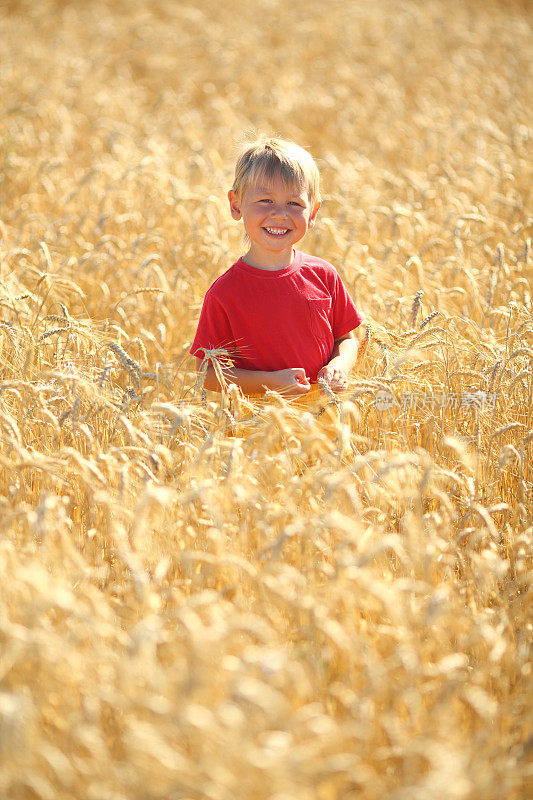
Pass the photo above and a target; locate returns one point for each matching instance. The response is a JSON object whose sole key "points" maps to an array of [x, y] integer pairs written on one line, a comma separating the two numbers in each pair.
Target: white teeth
{"points": [[277, 231]]}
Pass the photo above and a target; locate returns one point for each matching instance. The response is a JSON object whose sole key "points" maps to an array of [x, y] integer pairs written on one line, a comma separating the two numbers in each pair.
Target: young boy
{"points": [[284, 317]]}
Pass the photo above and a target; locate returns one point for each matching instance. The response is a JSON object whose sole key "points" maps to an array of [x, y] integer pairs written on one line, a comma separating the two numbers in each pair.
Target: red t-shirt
{"points": [[277, 320]]}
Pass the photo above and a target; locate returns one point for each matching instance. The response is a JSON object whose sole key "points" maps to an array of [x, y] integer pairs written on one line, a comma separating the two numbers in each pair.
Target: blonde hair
{"points": [[269, 157]]}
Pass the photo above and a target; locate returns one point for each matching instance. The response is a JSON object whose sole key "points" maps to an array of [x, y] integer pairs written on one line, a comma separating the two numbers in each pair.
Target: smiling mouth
{"points": [[277, 231]]}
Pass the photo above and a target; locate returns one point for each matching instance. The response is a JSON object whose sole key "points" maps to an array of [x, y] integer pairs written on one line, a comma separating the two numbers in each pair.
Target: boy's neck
{"points": [[269, 261]]}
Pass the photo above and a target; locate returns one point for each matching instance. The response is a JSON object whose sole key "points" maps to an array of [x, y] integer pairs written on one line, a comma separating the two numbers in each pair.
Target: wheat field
{"points": [[281, 608]]}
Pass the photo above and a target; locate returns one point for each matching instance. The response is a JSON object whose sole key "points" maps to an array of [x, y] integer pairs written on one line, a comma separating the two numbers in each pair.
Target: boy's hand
{"points": [[290, 382], [335, 377]]}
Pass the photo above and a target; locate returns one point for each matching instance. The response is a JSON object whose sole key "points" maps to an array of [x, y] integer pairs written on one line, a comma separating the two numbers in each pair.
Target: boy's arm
{"points": [[289, 382], [343, 357]]}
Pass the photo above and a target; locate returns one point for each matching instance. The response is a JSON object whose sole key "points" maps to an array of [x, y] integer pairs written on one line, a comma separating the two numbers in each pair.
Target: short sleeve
{"points": [[213, 330], [346, 317]]}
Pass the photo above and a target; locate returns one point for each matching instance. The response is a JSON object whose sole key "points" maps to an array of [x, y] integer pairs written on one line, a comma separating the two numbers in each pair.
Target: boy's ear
{"points": [[234, 204], [312, 216]]}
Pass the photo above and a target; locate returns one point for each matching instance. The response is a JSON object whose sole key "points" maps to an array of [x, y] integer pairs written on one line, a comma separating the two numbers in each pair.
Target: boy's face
{"points": [[275, 217]]}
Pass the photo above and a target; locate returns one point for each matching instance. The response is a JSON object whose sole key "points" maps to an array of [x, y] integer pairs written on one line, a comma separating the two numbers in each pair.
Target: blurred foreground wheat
{"points": [[286, 609]]}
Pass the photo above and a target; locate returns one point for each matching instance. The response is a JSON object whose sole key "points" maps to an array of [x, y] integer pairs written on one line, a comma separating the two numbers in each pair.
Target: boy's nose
{"points": [[278, 211]]}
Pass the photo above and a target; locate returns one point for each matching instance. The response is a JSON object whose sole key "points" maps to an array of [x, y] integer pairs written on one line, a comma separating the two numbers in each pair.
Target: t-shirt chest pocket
{"points": [[319, 312]]}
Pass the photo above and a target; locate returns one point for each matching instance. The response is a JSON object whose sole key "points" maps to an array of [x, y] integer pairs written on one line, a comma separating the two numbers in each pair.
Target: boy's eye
{"points": [[294, 203]]}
